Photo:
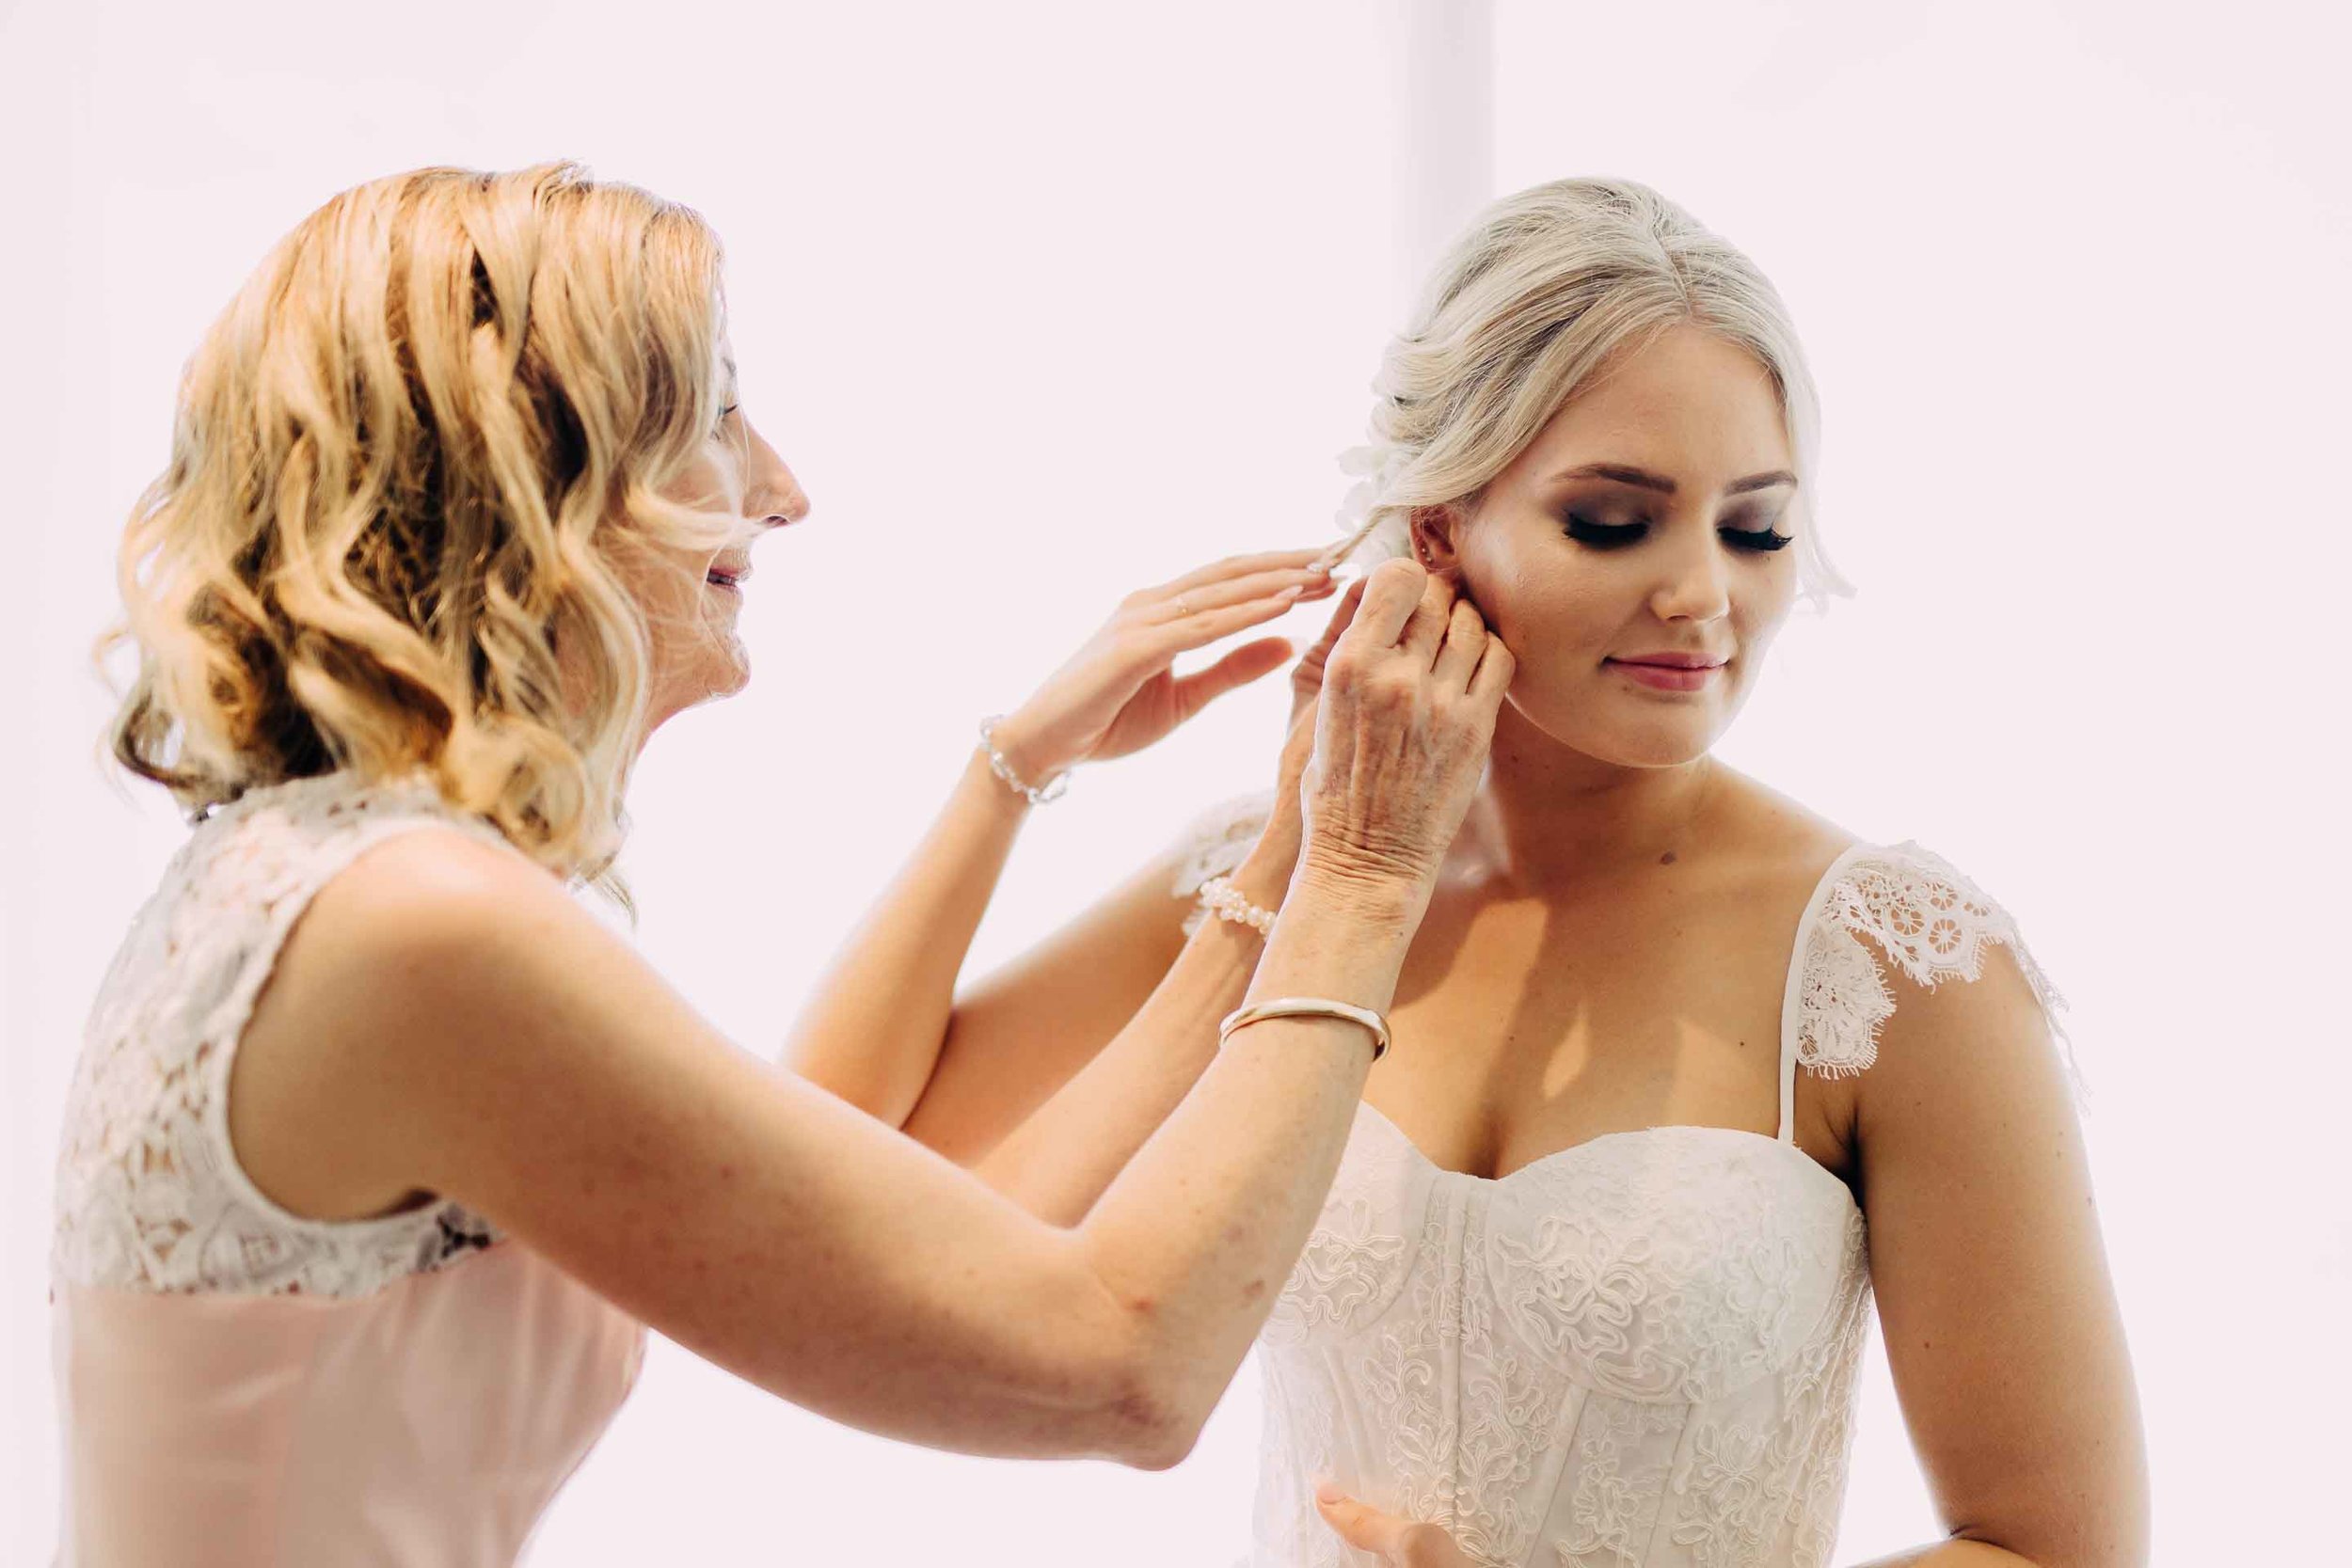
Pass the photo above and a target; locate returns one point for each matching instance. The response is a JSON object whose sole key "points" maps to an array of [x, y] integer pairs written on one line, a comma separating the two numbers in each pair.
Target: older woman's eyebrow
{"points": [[1627, 474]]}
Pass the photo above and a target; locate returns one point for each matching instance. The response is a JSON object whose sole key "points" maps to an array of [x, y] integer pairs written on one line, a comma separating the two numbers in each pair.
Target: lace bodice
{"points": [[1639, 1350], [150, 1196]]}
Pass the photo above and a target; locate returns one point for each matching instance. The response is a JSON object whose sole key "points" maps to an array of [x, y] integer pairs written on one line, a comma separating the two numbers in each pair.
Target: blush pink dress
{"points": [[241, 1386]]}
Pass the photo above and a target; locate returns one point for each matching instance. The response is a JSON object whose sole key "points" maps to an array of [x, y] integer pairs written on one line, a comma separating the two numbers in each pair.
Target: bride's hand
{"points": [[1397, 1542], [1119, 694]]}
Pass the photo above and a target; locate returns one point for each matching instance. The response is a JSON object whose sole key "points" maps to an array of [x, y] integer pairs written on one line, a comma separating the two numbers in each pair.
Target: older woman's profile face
{"points": [[691, 601], [1641, 530]]}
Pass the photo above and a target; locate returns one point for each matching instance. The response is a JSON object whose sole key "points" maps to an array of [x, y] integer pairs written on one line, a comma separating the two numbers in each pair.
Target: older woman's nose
{"points": [[775, 497]]}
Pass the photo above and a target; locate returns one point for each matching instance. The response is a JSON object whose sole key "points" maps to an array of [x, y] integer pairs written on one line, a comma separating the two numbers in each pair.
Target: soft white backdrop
{"points": [[1046, 302]]}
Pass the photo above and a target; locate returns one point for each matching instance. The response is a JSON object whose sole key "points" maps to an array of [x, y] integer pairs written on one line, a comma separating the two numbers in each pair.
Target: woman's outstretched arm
{"points": [[873, 1029], [1056, 1068], [445, 1019]]}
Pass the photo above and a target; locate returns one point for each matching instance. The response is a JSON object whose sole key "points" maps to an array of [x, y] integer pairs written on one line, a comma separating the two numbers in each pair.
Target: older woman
{"points": [[382, 1150]]}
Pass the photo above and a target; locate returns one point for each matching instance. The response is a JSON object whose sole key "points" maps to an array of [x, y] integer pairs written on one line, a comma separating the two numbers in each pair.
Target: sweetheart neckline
{"points": [[1414, 1149]]}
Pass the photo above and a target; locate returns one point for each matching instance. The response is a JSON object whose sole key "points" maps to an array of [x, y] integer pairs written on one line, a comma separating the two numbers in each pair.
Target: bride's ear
{"points": [[1431, 536]]}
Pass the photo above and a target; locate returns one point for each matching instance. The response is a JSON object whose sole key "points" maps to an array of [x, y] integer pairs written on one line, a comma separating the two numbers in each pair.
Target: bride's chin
{"points": [[1634, 744]]}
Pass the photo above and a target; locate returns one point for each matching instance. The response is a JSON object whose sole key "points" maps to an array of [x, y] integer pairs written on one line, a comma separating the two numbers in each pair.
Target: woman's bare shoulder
{"points": [[383, 964], [1764, 841]]}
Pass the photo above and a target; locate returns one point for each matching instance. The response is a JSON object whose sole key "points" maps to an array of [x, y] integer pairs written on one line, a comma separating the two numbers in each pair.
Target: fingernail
{"points": [[1291, 591], [1326, 1491]]}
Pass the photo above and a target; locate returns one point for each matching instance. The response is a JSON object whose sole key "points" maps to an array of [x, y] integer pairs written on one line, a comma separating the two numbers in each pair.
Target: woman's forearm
{"points": [[1059, 1160], [1195, 1235], [872, 1029]]}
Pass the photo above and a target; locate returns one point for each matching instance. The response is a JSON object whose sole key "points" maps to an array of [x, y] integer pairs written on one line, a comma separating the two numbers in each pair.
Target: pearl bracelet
{"points": [[1003, 769], [1220, 898]]}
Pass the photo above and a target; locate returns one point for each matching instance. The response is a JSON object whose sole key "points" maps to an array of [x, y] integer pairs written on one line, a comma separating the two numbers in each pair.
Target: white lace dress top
{"points": [[1639, 1350], [241, 1385]]}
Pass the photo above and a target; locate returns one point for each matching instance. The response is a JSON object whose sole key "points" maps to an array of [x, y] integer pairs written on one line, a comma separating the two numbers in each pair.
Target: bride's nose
{"points": [[1695, 586]]}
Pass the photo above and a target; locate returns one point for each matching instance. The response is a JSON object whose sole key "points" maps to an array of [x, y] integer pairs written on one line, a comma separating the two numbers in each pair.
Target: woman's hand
{"points": [[1397, 1542], [1266, 871], [1119, 694], [1406, 712]]}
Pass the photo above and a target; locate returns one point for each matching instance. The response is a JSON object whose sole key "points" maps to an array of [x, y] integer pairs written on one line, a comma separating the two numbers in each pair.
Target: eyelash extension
{"points": [[723, 417], [1615, 535]]}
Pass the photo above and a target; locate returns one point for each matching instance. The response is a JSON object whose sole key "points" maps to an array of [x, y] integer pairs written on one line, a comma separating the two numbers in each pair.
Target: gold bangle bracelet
{"points": [[1309, 1006]]}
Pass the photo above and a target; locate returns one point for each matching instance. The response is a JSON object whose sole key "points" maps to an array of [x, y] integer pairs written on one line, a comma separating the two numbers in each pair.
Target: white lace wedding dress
{"points": [[1639, 1350]]}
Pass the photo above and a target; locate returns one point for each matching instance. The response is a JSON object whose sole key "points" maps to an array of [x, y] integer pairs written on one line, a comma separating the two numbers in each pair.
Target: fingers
{"points": [[1496, 666], [1172, 607], [1358, 1524], [1306, 674], [1393, 592], [1425, 632], [1341, 614], [1465, 642], [1205, 627], [1397, 1542], [1242, 566], [1245, 664]]}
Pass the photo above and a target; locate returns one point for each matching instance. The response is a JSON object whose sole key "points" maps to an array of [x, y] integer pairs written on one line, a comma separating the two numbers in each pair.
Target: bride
{"points": [[1685, 1077]]}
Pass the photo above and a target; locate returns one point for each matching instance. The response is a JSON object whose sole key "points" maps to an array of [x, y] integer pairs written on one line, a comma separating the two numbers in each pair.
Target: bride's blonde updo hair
{"points": [[404, 464], [1525, 306]]}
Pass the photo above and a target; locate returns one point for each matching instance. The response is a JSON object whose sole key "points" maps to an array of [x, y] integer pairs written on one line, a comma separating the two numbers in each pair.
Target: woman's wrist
{"points": [[1014, 756], [1339, 888], [1263, 876]]}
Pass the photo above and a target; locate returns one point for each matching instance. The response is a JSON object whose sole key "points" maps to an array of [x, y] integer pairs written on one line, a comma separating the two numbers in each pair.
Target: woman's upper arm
{"points": [[464, 1028], [2002, 1331]]}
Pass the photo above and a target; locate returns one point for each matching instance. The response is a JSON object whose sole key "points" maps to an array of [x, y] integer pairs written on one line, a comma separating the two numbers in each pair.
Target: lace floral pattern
{"points": [[1638, 1352], [150, 1196], [1931, 919], [1625, 1354], [1216, 841]]}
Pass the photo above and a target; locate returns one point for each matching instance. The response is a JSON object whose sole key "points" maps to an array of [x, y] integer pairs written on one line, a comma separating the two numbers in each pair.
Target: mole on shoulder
{"points": [[1667, 859]]}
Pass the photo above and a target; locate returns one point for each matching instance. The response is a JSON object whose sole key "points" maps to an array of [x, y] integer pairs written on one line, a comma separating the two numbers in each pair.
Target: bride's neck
{"points": [[1548, 817]]}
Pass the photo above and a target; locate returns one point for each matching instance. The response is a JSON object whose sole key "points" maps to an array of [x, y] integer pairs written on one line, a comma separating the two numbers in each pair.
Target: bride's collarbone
{"points": [[1526, 1026]]}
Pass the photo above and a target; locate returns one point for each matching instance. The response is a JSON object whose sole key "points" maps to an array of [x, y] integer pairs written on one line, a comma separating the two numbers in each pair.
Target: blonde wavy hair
{"points": [[1528, 303], [406, 462]]}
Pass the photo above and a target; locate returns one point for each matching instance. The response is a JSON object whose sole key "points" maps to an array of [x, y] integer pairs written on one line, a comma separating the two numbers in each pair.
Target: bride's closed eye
{"points": [[1600, 535]]}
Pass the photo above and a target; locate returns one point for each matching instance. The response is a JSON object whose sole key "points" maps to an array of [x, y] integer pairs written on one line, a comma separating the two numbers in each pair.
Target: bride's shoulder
{"points": [[1894, 941]]}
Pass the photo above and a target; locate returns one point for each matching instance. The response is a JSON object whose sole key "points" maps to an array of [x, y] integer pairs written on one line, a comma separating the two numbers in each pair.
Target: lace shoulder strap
{"points": [[149, 1194], [1214, 841], [1924, 914]]}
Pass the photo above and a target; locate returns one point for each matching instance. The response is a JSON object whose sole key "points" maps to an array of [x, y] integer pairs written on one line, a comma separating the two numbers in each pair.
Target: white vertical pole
{"points": [[1445, 148]]}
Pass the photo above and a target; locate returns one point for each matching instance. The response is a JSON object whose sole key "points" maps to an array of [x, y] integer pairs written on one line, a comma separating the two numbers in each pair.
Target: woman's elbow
{"points": [[1147, 1413], [1148, 1426]]}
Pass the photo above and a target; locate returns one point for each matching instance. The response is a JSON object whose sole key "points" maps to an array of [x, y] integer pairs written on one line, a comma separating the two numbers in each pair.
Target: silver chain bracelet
{"points": [[1003, 769], [1220, 898]]}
